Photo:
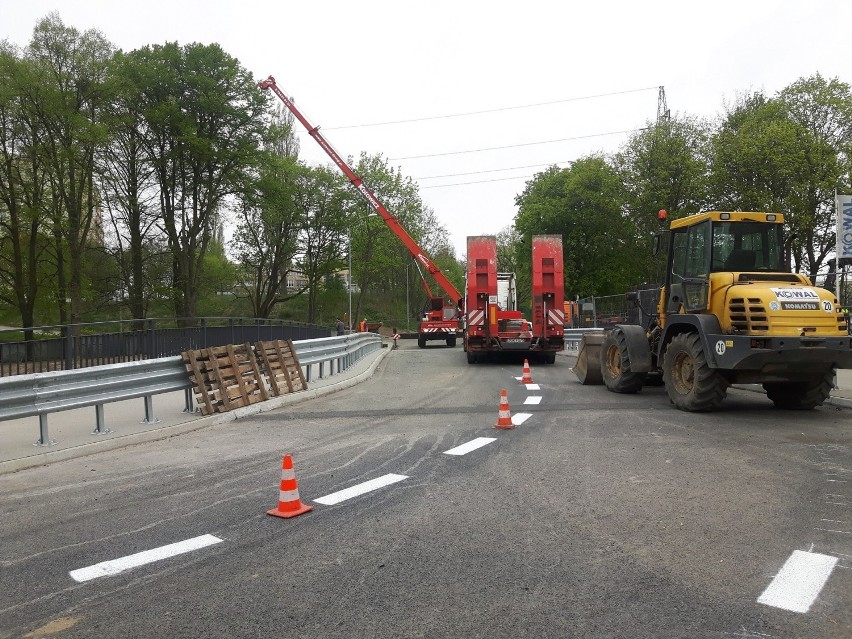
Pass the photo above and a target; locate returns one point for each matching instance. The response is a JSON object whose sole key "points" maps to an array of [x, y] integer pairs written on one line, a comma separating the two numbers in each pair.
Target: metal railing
{"points": [[574, 335], [39, 394], [72, 346]]}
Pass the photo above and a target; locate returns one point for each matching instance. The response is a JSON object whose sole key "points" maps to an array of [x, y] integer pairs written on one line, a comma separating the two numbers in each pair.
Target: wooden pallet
{"points": [[225, 377], [281, 366]]}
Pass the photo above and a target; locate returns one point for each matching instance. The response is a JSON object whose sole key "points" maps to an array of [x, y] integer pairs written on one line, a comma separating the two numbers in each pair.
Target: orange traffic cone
{"points": [[527, 378], [504, 417], [289, 504]]}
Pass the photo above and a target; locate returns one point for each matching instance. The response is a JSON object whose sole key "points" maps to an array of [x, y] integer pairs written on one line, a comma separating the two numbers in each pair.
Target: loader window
{"points": [[689, 268], [747, 246]]}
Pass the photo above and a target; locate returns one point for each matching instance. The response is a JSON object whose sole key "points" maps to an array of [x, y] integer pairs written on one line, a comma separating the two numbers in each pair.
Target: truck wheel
{"points": [[451, 342], [615, 365], [690, 382], [801, 395], [421, 341], [549, 357], [471, 357]]}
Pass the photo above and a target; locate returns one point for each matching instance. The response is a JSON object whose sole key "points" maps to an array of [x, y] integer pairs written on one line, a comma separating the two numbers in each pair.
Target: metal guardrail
{"points": [[39, 394], [574, 335], [329, 353]]}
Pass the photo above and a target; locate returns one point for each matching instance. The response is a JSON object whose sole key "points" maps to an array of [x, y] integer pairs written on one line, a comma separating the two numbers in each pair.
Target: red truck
{"points": [[493, 324]]}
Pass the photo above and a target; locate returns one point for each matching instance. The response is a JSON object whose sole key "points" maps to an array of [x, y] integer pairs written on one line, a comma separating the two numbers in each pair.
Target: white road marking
{"points": [[799, 582], [520, 418], [533, 399], [473, 444], [360, 489], [115, 566], [532, 386]]}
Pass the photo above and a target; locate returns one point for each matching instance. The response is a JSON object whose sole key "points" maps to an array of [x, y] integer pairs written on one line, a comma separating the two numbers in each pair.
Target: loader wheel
{"points": [[421, 341], [615, 365], [801, 395], [690, 382]]}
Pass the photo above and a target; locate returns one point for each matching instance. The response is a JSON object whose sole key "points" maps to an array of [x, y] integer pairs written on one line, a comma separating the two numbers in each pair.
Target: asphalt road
{"points": [[599, 516]]}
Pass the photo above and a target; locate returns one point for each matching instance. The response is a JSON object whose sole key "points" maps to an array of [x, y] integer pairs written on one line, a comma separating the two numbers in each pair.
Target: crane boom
{"points": [[389, 219]]}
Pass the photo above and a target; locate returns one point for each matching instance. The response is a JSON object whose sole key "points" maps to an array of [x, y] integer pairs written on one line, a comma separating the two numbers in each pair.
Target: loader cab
{"points": [[716, 242]]}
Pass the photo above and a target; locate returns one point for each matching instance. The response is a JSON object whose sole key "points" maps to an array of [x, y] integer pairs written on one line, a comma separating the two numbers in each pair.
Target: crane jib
{"points": [[389, 219]]}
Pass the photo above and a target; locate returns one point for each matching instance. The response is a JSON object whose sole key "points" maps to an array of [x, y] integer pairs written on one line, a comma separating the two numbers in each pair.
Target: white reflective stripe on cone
{"points": [[288, 495], [288, 473]]}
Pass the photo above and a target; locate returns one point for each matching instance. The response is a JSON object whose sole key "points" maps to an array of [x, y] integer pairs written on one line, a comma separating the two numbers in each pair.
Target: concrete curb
{"points": [[49, 457]]}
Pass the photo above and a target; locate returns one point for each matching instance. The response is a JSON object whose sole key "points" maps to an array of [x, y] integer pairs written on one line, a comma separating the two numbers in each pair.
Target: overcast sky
{"points": [[358, 63]]}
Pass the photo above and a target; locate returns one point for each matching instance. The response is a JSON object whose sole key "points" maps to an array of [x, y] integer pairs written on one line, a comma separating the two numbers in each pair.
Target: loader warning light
{"points": [[662, 215]]}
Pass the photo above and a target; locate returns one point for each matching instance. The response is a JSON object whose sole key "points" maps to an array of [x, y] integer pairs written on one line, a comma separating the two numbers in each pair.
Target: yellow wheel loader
{"points": [[729, 312]]}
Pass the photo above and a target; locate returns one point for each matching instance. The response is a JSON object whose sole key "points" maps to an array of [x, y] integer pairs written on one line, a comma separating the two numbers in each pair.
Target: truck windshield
{"points": [[747, 246]]}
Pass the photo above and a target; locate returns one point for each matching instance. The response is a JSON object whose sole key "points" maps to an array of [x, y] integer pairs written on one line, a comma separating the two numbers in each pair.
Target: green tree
{"points": [[664, 166], [379, 257], [128, 192], [320, 196], [266, 240], [68, 94], [204, 121], [583, 203], [23, 186], [787, 154]]}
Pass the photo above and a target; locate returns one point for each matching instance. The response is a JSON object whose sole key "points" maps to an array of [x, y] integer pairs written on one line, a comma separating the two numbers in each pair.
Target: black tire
{"points": [[471, 357], [801, 395], [451, 342], [549, 357], [690, 382], [421, 341], [615, 365]]}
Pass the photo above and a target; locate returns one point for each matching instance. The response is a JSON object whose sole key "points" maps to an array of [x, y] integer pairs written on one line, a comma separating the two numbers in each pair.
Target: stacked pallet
{"points": [[228, 377], [281, 366]]}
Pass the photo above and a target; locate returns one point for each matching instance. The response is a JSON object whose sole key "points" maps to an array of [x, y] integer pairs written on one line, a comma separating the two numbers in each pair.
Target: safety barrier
{"points": [[44, 393], [574, 335]]}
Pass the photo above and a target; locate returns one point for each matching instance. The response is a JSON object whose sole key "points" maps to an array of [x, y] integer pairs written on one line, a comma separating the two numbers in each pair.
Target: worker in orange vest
{"points": [[363, 326]]}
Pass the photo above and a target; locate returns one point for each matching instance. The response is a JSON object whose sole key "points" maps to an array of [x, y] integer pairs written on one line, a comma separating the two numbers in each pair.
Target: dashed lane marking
{"points": [[360, 489], [533, 399], [799, 582], [532, 386], [472, 445], [115, 566], [520, 418]]}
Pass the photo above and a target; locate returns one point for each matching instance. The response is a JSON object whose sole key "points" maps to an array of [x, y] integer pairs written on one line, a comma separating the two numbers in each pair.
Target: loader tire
{"points": [[690, 382], [421, 341], [615, 365], [801, 395]]}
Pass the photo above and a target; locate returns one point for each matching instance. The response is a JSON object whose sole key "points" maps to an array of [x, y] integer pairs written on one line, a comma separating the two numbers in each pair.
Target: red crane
{"points": [[440, 321]]}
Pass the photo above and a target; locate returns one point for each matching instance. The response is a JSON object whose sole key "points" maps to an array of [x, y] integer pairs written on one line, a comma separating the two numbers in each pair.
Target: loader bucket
{"points": [[588, 366]]}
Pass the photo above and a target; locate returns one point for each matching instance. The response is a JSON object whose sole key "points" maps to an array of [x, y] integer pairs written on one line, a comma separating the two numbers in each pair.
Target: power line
{"points": [[514, 146], [440, 186], [497, 110], [509, 168]]}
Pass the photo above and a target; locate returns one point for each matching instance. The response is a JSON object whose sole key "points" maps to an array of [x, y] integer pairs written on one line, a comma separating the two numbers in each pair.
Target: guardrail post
{"points": [[149, 411], [189, 401], [99, 421], [43, 438]]}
